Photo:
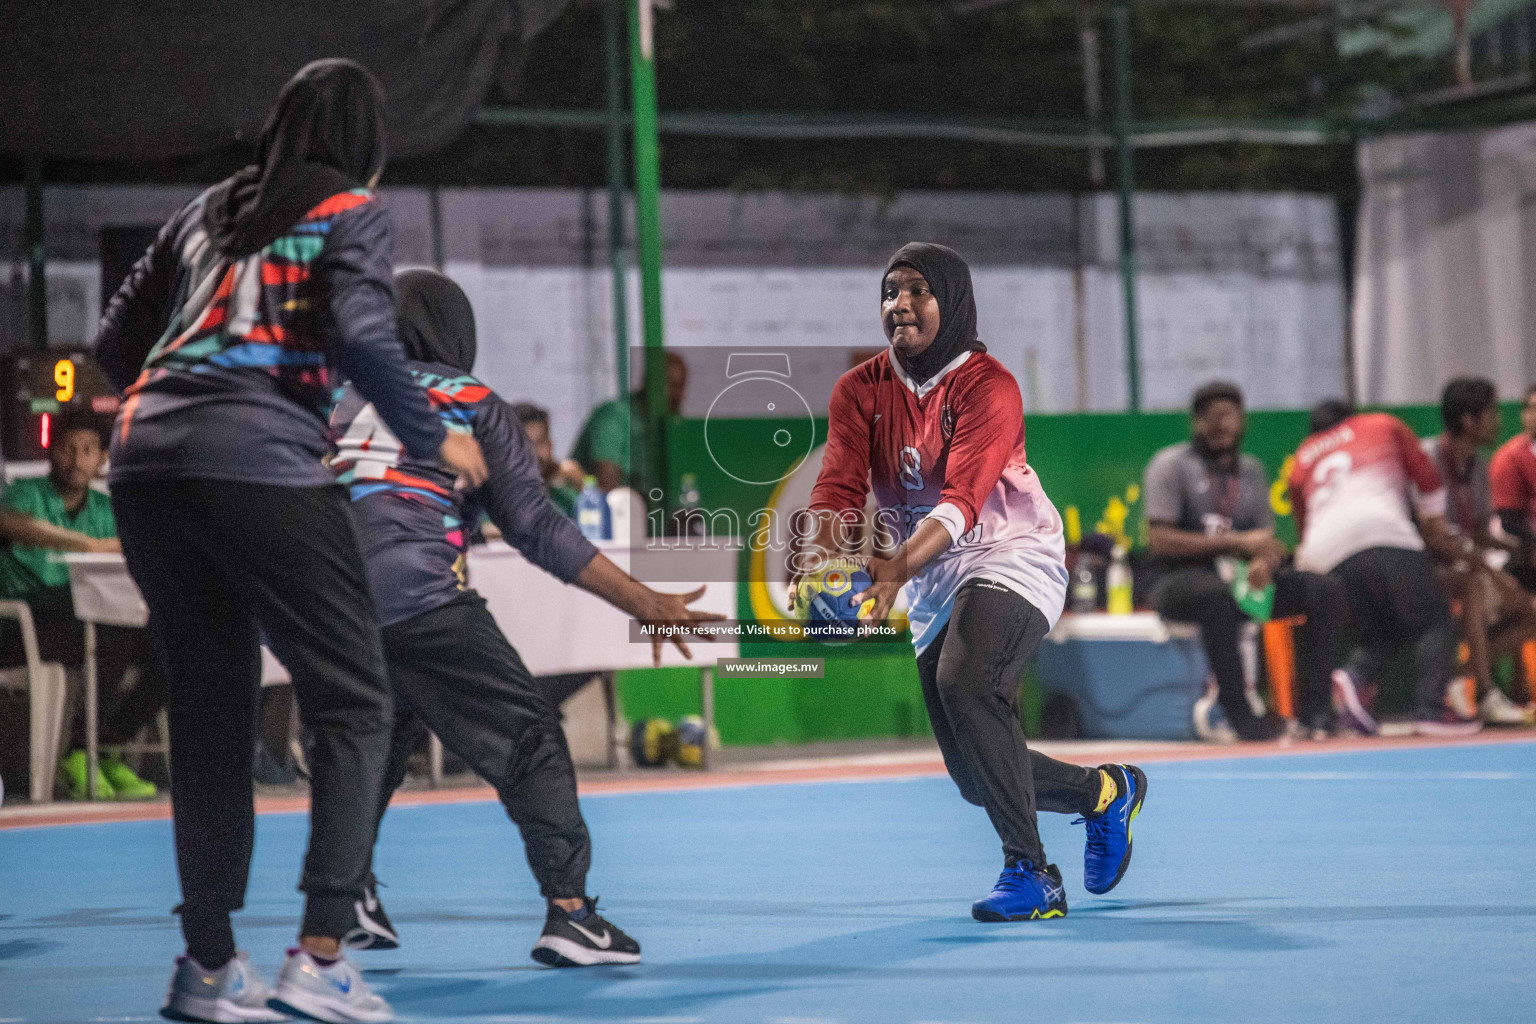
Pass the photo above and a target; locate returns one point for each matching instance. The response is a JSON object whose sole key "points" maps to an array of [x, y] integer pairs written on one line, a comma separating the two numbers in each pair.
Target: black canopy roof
{"points": [[156, 79]]}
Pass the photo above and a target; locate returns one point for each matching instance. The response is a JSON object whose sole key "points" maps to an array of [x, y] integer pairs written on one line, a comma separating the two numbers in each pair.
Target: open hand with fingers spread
{"points": [[671, 610]]}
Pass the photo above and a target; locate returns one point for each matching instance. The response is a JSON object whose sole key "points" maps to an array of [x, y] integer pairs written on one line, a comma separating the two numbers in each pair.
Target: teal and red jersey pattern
{"points": [[261, 315], [229, 365], [369, 459], [413, 526]]}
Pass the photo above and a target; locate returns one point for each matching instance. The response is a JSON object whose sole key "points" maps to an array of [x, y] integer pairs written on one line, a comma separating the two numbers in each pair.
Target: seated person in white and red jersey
{"points": [[1512, 477], [1350, 492], [1497, 616], [935, 427]]}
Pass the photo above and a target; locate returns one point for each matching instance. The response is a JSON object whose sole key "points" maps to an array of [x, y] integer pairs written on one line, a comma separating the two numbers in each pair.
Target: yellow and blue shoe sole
{"points": [[1140, 778]]}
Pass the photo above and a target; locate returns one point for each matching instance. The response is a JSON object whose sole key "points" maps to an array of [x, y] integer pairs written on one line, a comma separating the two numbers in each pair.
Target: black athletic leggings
{"points": [[970, 675], [454, 669], [217, 561]]}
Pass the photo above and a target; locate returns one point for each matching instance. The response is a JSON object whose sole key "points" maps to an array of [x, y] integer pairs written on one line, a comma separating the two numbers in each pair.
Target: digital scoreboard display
{"points": [[39, 385]]}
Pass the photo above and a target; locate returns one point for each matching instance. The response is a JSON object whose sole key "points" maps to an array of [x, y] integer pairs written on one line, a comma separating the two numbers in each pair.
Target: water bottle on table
{"points": [[593, 517]]}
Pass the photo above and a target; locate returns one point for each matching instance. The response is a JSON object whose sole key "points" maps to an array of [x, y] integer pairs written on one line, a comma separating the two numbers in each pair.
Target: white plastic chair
{"points": [[44, 683]]}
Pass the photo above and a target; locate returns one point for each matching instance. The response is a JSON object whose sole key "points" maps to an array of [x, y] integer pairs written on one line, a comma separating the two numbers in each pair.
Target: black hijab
{"points": [[324, 135], [950, 279], [434, 319]]}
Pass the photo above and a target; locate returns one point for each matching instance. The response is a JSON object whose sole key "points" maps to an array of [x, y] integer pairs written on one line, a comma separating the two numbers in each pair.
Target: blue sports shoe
{"points": [[1023, 894], [1108, 851]]}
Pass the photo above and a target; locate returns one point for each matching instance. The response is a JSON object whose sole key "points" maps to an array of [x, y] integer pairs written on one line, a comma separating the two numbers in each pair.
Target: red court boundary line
{"points": [[671, 782]]}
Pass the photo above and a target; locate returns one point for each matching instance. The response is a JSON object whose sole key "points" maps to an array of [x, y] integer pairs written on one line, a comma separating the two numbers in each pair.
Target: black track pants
{"points": [[970, 675], [217, 561], [454, 669]]}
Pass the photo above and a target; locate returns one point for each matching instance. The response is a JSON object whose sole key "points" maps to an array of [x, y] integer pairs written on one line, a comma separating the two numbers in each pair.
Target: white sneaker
{"points": [[233, 993], [1461, 697], [336, 994], [1497, 709], [1211, 725]]}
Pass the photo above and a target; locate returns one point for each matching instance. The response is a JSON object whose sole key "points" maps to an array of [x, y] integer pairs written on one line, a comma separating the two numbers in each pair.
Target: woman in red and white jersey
{"points": [[935, 427], [1367, 500]]}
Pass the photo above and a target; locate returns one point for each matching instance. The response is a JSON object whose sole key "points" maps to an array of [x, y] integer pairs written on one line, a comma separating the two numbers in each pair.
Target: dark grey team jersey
{"points": [[412, 525], [1189, 492], [229, 366]]}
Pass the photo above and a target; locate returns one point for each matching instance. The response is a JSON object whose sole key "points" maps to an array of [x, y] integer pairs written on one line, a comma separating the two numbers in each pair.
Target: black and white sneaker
{"points": [[592, 940], [373, 930]]}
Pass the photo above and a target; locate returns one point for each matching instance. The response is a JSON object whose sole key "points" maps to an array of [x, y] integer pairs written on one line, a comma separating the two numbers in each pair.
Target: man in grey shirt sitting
{"points": [[1207, 503]]}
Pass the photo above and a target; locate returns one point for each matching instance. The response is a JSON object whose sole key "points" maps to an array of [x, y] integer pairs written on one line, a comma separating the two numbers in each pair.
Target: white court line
{"points": [[1341, 776]]}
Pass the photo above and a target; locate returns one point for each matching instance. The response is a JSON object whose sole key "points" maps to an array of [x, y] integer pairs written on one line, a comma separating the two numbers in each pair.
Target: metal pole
{"points": [[37, 257], [1093, 77], [707, 711], [613, 25], [435, 221], [92, 759], [1120, 24], [642, 58]]}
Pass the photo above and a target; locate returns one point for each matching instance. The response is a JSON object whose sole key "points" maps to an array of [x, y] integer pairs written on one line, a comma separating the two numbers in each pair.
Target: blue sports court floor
{"points": [[1392, 885]]}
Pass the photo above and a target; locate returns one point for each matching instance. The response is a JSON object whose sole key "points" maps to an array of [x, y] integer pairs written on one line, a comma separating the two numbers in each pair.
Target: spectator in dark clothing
{"points": [[228, 338], [1496, 615], [1207, 507], [41, 517]]}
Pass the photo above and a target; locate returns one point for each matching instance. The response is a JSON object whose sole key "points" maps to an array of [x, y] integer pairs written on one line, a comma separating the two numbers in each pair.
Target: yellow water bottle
{"points": [[1119, 583]]}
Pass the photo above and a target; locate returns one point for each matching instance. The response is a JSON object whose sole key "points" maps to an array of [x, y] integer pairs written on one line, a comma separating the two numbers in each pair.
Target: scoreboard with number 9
{"points": [[39, 384]]}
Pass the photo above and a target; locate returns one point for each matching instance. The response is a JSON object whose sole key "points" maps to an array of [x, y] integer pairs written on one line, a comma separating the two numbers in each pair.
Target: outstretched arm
{"points": [[629, 595], [517, 502]]}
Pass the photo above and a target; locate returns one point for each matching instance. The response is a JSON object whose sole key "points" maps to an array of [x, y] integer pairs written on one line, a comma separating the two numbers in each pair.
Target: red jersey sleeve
{"points": [[843, 482], [1510, 490], [1298, 488], [989, 420]]}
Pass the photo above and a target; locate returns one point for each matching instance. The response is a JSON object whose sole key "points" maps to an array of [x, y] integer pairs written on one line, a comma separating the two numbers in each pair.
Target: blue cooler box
{"points": [[1128, 676]]}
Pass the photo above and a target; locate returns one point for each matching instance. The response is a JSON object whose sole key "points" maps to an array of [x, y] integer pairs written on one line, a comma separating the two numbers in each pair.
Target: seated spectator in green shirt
{"points": [[611, 445], [562, 479], [40, 517]]}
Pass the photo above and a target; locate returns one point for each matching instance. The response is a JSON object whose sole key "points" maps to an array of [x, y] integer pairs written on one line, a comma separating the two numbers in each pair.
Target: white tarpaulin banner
{"points": [[1445, 270]]}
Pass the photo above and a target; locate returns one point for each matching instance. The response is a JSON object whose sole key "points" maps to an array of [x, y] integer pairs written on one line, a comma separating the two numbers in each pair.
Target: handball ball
{"points": [[652, 742], [827, 595], [691, 737]]}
